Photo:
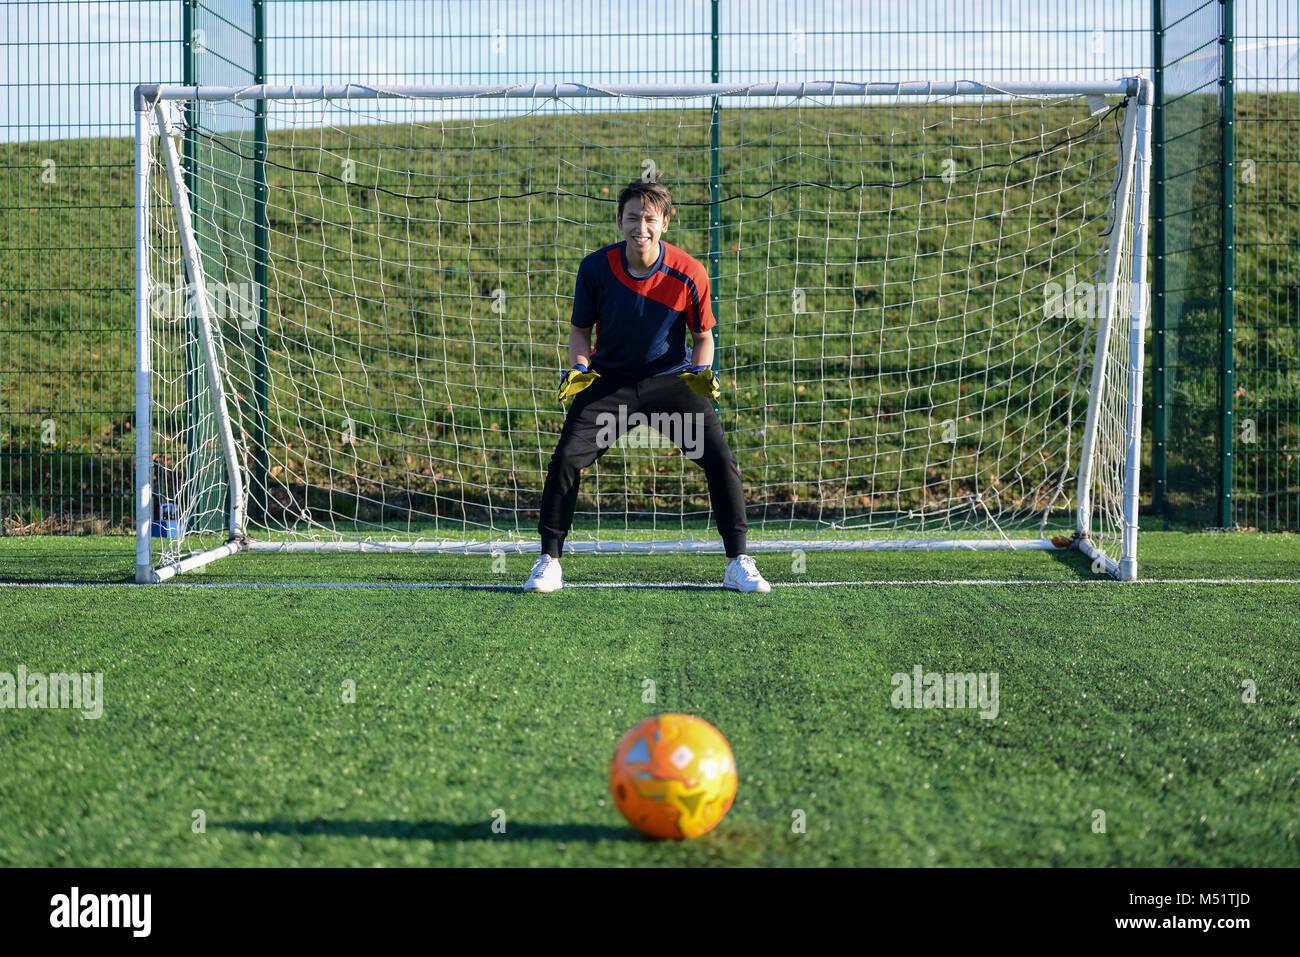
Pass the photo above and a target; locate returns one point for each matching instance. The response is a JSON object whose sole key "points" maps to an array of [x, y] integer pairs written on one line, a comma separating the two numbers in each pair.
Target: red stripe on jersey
{"points": [[665, 288], [702, 314]]}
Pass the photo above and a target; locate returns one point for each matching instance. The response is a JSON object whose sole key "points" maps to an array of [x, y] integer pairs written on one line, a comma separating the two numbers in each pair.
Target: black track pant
{"points": [[599, 416]]}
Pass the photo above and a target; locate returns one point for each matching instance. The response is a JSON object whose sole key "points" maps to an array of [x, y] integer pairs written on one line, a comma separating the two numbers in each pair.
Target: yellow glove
{"points": [[702, 380], [575, 380]]}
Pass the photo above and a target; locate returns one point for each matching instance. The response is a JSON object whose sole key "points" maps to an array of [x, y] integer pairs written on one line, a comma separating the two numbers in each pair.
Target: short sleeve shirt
{"points": [[640, 323]]}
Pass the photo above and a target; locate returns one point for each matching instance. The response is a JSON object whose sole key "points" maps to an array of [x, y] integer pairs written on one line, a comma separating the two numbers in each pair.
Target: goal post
{"points": [[932, 297]]}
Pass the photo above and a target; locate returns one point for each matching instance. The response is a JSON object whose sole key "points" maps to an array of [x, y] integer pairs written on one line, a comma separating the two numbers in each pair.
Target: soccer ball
{"points": [[673, 776]]}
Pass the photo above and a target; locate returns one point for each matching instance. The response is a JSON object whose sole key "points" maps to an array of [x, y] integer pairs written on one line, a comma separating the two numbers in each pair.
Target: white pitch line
{"points": [[670, 585]]}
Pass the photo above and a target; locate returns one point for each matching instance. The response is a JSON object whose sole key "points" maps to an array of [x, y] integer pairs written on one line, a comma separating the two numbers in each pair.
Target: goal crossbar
{"points": [[146, 95]]}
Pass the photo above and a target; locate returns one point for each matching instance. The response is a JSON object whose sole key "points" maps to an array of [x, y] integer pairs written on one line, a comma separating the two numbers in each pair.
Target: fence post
{"points": [[1227, 369], [1159, 412]]}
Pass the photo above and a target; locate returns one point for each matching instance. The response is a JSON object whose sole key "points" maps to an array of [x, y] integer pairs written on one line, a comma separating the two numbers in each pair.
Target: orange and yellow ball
{"points": [[673, 776]]}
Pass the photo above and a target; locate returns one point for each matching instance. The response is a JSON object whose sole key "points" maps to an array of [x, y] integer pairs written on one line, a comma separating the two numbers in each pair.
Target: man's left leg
{"points": [[689, 420]]}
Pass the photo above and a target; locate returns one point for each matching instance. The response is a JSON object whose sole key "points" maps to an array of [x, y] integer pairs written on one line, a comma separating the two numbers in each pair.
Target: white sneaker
{"points": [[742, 575], [545, 576]]}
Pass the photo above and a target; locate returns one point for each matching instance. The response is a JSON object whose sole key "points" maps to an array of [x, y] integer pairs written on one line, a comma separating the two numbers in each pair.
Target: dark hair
{"points": [[652, 193]]}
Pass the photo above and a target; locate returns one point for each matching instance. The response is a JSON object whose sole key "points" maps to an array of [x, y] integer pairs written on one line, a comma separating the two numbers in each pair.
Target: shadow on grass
{"points": [[48, 559], [437, 830], [1076, 562]]}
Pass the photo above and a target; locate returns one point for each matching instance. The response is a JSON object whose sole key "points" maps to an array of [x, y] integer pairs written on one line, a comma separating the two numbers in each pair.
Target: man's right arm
{"points": [[580, 375], [585, 306], [579, 346]]}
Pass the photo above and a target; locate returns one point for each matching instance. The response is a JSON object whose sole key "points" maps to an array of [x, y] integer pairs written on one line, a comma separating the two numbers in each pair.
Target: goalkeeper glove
{"points": [[702, 380], [575, 380]]}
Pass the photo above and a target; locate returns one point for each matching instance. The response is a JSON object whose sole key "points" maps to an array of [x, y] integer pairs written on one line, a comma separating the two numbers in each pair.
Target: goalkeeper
{"points": [[640, 296]]}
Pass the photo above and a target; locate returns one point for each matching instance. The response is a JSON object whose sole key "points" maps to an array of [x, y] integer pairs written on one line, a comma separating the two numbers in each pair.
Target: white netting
{"points": [[907, 289]]}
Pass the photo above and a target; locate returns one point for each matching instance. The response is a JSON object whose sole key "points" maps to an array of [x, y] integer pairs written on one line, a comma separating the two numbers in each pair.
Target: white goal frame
{"points": [[151, 107]]}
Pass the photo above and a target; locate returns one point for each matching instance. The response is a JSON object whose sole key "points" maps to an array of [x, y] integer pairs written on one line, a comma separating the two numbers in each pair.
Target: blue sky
{"points": [[71, 66]]}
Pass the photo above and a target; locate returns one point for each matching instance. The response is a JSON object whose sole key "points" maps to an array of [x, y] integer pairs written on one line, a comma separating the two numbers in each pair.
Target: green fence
{"points": [[1187, 313], [1225, 407], [1223, 410], [66, 278], [67, 249], [1264, 486]]}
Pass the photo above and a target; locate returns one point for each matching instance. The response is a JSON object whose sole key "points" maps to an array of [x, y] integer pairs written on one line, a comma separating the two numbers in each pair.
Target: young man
{"points": [[640, 296]]}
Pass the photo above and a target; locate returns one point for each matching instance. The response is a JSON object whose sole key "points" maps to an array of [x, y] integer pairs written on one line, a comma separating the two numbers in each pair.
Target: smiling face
{"points": [[642, 224]]}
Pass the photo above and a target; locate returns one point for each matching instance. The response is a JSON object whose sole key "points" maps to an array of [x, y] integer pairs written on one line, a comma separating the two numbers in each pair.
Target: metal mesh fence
{"points": [[66, 276], [1226, 410], [67, 282], [65, 238], [1265, 427], [1187, 314]]}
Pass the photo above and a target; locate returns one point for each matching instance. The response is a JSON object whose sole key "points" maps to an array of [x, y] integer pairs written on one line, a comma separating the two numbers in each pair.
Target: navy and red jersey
{"points": [[640, 324]]}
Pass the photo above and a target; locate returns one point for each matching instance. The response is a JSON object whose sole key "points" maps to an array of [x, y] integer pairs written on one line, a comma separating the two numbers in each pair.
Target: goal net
{"points": [[353, 309]]}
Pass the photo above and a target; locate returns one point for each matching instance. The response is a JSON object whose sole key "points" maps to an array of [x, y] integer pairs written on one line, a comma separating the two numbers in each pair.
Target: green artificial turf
{"points": [[1123, 699]]}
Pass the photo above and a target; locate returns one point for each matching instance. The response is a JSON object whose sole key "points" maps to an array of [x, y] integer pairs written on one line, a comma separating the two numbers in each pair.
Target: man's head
{"points": [[643, 213]]}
